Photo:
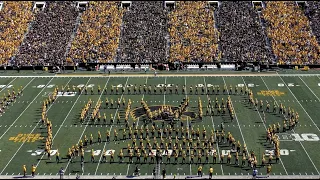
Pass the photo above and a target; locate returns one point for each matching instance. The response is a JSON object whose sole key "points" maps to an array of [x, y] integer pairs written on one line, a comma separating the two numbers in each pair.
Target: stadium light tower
{"points": [[82, 4], [170, 4], [214, 4], [258, 5], [39, 5], [125, 4], [302, 4]]}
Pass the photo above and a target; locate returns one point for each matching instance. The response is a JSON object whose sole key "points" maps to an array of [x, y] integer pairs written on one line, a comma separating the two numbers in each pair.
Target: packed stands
{"points": [[98, 35], [313, 12], [49, 35], [241, 34], [290, 33], [193, 37], [144, 31], [15, 18]]}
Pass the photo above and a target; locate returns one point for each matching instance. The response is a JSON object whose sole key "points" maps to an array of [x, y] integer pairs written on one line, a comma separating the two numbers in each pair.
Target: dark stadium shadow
{"points": [[246, 168], [131, 176], [50, 162], [18, 177], [223, 145]]}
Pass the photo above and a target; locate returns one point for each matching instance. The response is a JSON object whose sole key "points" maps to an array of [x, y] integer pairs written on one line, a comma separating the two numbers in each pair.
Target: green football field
{"points": [[22, 135]]}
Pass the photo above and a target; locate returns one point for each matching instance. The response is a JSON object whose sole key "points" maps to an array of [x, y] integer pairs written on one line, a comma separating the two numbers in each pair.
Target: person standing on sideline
{"points": [[210, 172], [254, 173], [163, 173], [24, 170], [33, 170], [61, 172], [57, 156], [200, 171], [268, 170], [82, 166], [154, 173]]}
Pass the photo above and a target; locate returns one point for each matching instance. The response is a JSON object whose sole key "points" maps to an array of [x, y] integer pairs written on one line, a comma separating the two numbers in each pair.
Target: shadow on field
{"points": [[17, 177]]}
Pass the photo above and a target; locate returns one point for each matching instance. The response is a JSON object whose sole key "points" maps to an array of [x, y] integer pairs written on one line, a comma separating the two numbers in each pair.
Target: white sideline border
{"points": [[191, 74]]}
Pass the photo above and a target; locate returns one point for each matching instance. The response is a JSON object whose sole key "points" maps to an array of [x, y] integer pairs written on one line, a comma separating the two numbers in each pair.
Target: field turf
{"points": [[299, 147]]}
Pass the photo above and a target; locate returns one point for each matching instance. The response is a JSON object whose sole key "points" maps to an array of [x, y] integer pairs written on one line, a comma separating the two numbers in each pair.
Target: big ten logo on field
{"points": [[26, 138], [297, 137], [270, 93]]}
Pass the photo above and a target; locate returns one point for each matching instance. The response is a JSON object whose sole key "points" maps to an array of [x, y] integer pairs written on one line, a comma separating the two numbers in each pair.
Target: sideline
{"points": [[162, 75], [167, 177]]}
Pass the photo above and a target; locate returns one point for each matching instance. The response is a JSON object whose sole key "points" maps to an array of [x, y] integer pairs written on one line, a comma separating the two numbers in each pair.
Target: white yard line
{"points": [[110, 126], [299, 103], [25, 108], [11, 82], [235, 114], [137, 124], [88, 120], [310, 89], [293, 129], [205, 83], [29, 133], [164, 93], [65, 118], [185, 84], [265, 126], [142, 99], [22, 88]]}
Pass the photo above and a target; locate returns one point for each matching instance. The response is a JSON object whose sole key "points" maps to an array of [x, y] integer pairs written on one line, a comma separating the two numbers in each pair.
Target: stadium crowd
{"points": [[241, 35], [98, 35], [15, 17], [290, 33], [193, 37], [313, 13], [49, 35], [148, 32], [143, 33]]}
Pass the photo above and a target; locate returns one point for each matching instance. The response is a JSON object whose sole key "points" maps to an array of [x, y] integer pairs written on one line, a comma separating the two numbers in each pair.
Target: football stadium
{"points": [[159, 89]]}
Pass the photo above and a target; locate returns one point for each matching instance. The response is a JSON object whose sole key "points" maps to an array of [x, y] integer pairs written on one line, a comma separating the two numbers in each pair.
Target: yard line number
{"points": [[297, 137]]}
